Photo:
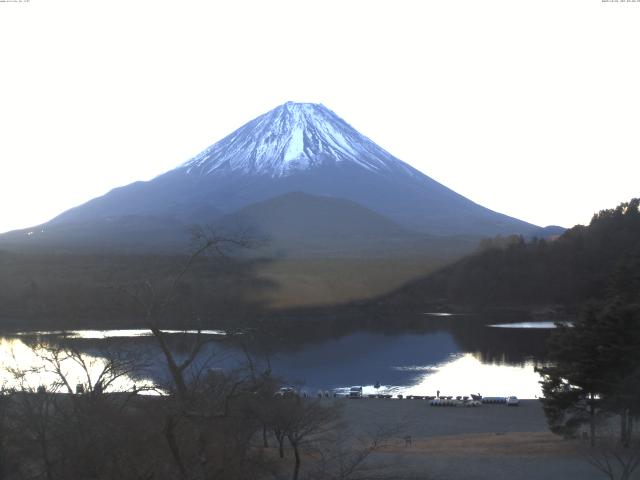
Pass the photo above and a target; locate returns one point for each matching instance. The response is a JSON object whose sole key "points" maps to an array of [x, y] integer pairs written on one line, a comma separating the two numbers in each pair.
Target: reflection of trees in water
{"points": [[500, 345], [142, 348], [360, 341], [470, 332]]}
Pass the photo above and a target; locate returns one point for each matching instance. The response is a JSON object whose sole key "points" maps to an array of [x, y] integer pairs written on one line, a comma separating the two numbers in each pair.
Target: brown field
{"points": [[513, 443], [491, 442], [303, 282]]}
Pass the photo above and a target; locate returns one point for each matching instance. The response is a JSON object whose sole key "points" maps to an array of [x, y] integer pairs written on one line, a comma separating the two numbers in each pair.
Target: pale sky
{"points": [[530, 108]]}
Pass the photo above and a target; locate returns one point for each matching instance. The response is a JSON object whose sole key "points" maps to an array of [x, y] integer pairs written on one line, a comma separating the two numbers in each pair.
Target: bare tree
{"points": [[343, 455], [154, 302], [112, 369], [5, 462], [616, 456], [58, 432], [614, 460], [301, 421], [197, 411]]}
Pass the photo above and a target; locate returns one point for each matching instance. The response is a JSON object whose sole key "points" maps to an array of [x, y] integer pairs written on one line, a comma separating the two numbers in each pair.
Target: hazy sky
{"points": [[531, 108]]}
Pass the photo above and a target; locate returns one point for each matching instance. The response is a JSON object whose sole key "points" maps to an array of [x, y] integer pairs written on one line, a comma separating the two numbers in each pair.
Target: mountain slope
{"points": [[306, 148], [300, 215], [299, 224], [122, 234]]}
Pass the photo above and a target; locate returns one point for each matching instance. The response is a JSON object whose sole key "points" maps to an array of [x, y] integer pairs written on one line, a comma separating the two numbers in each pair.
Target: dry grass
{"points": [[302, 282], [506, 444]]}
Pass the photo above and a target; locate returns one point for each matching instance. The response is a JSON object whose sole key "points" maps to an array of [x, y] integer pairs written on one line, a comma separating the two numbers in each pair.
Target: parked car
{"points": [[355, 392], [512, 401], [286, 392]]}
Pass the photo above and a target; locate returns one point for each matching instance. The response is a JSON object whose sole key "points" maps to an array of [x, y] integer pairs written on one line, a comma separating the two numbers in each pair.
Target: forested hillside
{"points": [[576, 267]]}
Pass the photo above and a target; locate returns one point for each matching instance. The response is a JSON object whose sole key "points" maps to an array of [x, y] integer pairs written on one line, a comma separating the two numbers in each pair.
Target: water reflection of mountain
{"points": [[341, 352]]}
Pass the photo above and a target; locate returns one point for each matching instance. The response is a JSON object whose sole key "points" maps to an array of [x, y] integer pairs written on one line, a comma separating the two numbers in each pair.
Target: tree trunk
{"points": [[265, 443], [280, 445], [44, 448], [592, 423], [174, 369], [624, 434], [169, 434], [296, 453], [47, 462]]}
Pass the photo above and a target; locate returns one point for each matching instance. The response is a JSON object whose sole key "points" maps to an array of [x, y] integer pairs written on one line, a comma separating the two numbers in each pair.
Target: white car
{"points": [[512, 402], [286, 392], [355, 392]]}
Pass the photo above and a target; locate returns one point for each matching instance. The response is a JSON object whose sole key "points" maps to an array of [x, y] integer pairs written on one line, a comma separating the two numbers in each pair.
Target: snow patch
{"points": [[295, 146], [292, 137]]}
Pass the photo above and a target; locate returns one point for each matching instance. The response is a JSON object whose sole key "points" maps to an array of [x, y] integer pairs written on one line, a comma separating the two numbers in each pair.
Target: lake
{"points": [[436, 351]]}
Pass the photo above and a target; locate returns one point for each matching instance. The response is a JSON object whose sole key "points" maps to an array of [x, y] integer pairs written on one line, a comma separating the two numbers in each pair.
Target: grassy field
{"points": [[302, 282]]}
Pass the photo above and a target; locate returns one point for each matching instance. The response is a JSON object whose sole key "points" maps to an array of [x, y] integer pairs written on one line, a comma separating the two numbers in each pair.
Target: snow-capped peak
{"points": [[292, 137]]}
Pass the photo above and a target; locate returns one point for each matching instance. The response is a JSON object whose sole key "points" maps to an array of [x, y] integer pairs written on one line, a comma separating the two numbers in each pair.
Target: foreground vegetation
{"points": [[202, 424]]}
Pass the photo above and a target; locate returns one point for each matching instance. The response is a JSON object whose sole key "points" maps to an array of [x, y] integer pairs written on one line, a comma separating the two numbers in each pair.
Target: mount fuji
{"points": [[297, 148]]}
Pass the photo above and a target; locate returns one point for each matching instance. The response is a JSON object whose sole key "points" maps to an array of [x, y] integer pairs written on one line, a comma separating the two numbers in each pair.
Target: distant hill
{"points": [[299, 215], [577, 267], [303, 225]]}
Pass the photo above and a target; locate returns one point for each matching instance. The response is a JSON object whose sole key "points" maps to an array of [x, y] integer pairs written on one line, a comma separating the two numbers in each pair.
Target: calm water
{"points": [[454, 354]]}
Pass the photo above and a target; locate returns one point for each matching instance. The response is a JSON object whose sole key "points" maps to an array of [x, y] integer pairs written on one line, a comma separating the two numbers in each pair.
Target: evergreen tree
{"points": [[596, 368], [572, 385]]}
